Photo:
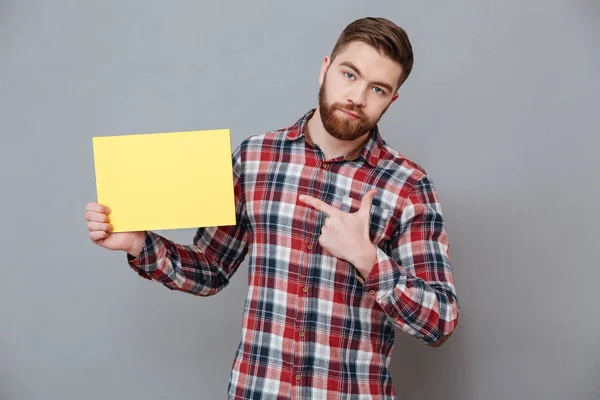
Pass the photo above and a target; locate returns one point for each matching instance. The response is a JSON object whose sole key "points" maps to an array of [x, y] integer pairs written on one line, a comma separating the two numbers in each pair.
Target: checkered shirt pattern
{"points": [[312, 327]]}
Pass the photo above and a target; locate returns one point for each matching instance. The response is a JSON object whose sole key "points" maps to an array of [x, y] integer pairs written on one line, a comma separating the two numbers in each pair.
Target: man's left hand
{"points": [[346, 235]]}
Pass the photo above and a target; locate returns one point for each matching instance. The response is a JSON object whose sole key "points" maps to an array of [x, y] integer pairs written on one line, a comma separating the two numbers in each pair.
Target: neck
{"points": [[329, 145]]}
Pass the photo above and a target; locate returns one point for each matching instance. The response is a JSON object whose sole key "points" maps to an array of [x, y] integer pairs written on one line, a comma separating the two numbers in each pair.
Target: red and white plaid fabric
{"points": [[312, 327]]}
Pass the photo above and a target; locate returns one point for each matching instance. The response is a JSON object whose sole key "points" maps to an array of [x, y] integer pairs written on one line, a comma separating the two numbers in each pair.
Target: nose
{"points": [[358, 96]]}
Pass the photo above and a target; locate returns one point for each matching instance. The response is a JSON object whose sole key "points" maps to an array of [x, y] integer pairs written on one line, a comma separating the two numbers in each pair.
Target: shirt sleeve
{"points": [[414, 283], [204, 267]]}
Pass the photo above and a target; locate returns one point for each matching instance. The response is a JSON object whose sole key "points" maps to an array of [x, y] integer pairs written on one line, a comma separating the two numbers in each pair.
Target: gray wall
{"points": [[501, 109]]}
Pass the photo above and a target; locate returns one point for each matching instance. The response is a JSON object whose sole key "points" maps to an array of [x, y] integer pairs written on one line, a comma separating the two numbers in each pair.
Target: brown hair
{"points": [[382, 34]]}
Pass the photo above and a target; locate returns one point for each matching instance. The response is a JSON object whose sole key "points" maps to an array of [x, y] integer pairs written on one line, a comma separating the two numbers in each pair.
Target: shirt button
{"points": [[298, 377], [301, 333], [305, 289], [309, 246], [372, 292]]}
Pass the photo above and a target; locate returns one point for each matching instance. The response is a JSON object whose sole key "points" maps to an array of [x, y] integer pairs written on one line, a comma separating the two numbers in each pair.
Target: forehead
{"points": [[372, 64]]}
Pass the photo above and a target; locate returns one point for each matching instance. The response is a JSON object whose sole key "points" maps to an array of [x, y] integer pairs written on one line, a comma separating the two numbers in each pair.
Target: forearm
{"points": [[427, 310], [187, 268]]}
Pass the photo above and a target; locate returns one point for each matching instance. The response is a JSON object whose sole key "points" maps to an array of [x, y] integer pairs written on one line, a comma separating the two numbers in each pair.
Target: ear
{"points": [[323, 70], [394, 98]]}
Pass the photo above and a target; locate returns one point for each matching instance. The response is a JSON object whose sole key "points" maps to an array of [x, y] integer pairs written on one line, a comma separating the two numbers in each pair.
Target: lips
{"points": [[350, 113]]}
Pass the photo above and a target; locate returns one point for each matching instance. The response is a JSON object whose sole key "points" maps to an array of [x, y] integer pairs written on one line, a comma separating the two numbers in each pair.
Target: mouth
{"points": [[350, 113]]}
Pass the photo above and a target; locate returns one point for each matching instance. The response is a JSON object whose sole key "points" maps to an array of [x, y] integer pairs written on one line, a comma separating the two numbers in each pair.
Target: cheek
{"points": [[336, 88], [334, 93], [376, 108]]}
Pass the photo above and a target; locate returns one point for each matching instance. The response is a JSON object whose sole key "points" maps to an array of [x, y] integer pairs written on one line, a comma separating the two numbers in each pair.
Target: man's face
{"points": [[357, 87]]}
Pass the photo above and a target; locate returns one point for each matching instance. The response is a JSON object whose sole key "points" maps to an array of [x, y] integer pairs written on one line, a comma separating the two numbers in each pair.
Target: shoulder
{"points": [[409, 181], [263, 142], [275, 140], [400, 169]]}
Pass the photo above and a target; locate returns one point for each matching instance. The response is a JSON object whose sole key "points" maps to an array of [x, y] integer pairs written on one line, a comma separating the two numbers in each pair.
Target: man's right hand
{"points": [[101, 233]]}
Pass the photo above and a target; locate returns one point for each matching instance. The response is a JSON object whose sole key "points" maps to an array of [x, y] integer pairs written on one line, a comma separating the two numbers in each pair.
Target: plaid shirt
{"points": [[312, 327]]}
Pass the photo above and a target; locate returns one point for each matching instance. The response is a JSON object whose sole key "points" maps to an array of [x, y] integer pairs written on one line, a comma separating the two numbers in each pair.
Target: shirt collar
{"points": [[369, 150]]}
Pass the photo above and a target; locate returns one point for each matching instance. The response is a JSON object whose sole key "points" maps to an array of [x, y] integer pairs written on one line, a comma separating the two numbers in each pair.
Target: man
{"points": [[345, 237]]}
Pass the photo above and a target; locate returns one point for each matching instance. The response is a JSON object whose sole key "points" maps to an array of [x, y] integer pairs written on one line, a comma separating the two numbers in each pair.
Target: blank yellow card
{"points": [[162, 181]]}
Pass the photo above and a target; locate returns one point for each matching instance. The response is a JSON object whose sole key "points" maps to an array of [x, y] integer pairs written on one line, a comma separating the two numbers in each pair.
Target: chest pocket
{"points": [[382, 218]]}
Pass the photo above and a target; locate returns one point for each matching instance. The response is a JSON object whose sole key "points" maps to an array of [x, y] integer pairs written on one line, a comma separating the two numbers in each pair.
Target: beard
{"points": [[343, 128]]}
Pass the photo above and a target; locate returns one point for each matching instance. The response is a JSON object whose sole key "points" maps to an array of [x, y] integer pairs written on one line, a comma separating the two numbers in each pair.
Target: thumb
{"points": [[365, 202]]}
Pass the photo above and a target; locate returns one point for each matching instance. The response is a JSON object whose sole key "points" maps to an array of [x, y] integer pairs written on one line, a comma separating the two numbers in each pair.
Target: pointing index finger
{"points": [[319, 205]]}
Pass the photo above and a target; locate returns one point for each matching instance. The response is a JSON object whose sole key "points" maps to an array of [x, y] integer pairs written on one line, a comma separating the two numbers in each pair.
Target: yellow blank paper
{"points": [[162, 181]]}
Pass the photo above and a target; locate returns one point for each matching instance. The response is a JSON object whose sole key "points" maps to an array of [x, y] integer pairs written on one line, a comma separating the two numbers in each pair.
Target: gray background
{"points": [[501, 109]]}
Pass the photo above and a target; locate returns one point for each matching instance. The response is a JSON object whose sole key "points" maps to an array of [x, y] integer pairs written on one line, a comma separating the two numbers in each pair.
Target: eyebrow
{"points": [[352, 66]]}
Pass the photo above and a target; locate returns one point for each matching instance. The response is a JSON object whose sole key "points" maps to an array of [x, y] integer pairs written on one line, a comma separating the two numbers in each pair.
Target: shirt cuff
{"points": [[153, 250], [384, 277]]}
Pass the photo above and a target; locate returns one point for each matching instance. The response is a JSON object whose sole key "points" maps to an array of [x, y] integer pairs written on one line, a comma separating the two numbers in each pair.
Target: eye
{"points": [[349, 75], [378, 90]]}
